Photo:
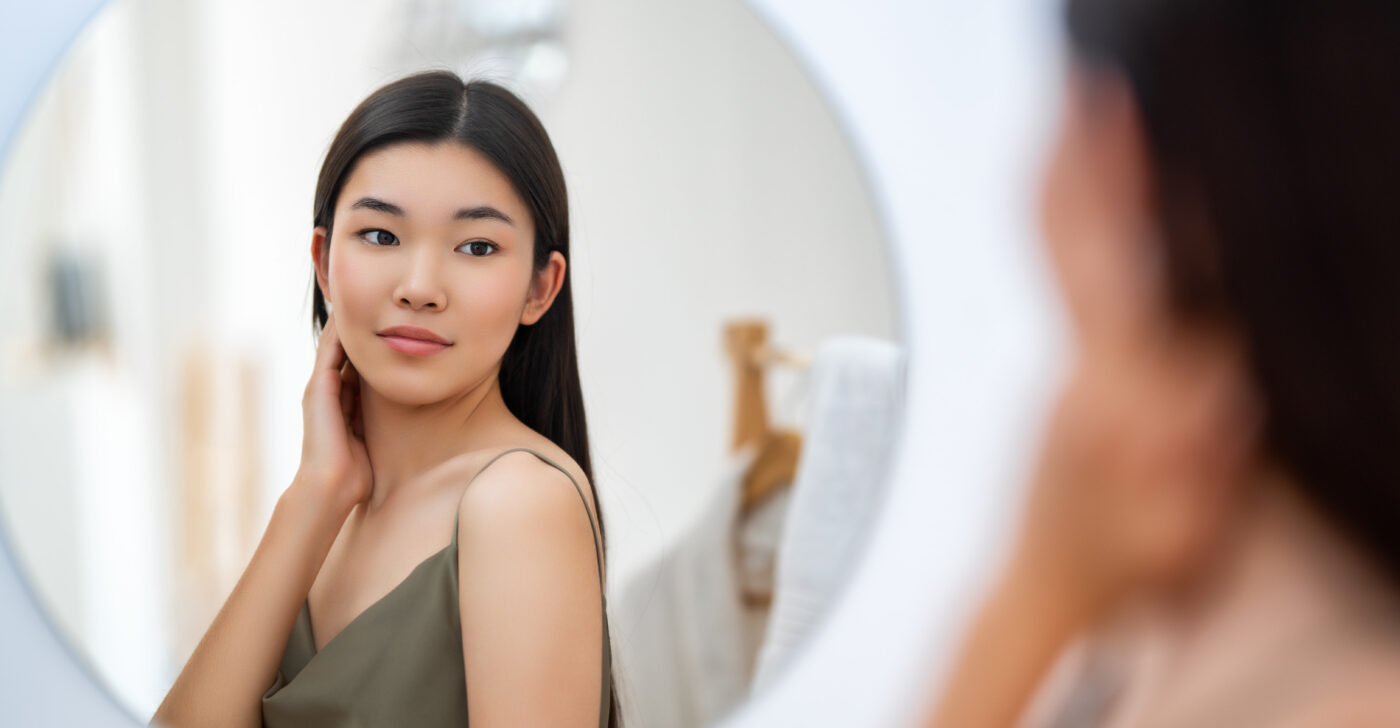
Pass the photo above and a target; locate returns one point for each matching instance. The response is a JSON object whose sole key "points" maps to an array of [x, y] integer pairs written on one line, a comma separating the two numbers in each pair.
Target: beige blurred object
{"points": [[195, 584], [778, 450], [220, 503], [249, 463]]}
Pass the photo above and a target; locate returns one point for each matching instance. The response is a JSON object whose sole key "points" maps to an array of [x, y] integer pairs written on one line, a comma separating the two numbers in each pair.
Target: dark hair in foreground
{"points": [[1274, 132], [539, 374]]}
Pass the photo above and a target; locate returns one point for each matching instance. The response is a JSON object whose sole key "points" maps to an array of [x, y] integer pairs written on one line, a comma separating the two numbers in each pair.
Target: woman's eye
{"points": [[379, 237], [479, 248]]}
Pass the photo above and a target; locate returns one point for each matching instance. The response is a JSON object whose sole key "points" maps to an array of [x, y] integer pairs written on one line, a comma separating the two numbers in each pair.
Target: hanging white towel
{"points": [[686, 642], [855, 405]]}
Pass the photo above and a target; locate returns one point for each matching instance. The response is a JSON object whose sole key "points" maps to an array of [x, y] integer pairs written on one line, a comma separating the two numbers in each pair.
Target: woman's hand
{"points": [[333, 454], [1143, 458]]}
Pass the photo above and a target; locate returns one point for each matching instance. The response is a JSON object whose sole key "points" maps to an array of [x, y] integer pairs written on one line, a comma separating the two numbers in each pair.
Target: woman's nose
{"points": [[419, 287]]}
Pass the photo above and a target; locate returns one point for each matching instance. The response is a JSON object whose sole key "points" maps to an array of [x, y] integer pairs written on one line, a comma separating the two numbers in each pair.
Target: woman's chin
{"points": [[404, 391]]}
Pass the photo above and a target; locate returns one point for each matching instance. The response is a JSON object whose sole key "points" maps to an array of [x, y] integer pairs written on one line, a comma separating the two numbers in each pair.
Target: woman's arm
{"points": [[236, 660], [1021, 627], [531, 600]]}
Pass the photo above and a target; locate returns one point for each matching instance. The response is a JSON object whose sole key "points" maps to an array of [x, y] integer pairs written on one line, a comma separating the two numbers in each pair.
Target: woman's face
{"points": [[431, 236]]}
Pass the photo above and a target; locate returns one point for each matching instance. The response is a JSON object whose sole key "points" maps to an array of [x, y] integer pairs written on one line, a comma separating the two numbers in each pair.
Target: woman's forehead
{"points": [[431, 182]]}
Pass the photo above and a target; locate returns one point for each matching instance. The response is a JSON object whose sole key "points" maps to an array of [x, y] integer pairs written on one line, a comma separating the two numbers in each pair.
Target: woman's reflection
{"points": [[445, 391]]}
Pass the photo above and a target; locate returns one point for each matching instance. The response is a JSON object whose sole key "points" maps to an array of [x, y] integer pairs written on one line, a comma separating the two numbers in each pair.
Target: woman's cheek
{"points": [[495, 304], [351, 277], [352, 286]]}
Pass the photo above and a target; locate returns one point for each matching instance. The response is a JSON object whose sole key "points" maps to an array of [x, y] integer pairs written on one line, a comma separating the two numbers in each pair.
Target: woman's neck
{"points": [[405, 442]]}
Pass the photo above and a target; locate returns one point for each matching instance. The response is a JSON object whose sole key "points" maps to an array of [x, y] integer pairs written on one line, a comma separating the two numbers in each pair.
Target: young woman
{"points": [[437, 559], [1220, 209]]}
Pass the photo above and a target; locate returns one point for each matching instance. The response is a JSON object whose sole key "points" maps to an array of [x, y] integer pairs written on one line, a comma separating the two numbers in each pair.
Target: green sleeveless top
{"points": [[400, 661]]}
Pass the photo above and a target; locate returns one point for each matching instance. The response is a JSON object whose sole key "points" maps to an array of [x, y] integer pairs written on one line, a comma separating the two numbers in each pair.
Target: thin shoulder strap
{"points": [[597, 554]]}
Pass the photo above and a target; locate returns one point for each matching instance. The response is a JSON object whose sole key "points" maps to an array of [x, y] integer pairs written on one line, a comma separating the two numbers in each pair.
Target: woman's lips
{"points": [[413, 347]]}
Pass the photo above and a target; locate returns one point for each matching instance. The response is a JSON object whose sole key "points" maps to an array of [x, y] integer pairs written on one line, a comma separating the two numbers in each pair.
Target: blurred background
{"points": [[155, 329]]}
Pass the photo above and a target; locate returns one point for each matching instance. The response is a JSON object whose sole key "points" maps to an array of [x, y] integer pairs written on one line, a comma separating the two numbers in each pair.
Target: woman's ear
{"points": [[320, 258], [545, 284]]}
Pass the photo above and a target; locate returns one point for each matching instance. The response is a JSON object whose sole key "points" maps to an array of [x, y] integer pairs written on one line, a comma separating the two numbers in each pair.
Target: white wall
{"points": [[709, 180]]}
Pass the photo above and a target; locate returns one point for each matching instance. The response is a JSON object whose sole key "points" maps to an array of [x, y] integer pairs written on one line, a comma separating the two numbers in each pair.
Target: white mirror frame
{"points": [[947, 104]]}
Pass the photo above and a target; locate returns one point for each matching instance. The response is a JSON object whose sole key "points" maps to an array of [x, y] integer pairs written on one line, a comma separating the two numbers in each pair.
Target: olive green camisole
{"points": [[400, 662]]}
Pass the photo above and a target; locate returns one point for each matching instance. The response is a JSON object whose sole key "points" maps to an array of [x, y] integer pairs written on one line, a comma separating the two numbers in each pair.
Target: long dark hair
{"points": [[1274, 131], [539, 372]]}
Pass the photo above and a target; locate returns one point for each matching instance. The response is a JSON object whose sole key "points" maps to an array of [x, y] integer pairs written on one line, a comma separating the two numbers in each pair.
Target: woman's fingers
{"points": [[347, 393], [349, 390], [325, 382], [330, 354]]}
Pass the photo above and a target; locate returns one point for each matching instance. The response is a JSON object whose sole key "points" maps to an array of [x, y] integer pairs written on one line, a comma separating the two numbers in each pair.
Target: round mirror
{"points": [[734, 305]]}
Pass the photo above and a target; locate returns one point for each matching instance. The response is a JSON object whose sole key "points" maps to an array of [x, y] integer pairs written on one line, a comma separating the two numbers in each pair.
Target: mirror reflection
{"points": [[722, 275]]}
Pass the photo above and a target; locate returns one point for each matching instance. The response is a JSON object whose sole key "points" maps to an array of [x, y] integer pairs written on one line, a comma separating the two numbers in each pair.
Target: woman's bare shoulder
{"points": [[520, 463], [520, 486], [522, 525]]}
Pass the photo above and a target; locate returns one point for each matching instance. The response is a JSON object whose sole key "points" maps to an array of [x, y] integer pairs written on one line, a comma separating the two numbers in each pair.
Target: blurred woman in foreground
{"points": [[1221, 209]]}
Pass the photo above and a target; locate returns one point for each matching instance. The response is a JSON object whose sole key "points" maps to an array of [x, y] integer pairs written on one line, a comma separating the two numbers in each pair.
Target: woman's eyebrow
{"points": [[480, 212]]}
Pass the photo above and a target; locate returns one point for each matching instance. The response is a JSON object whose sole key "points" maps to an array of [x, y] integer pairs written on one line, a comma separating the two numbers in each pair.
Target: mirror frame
{"points": [[945, 103]]}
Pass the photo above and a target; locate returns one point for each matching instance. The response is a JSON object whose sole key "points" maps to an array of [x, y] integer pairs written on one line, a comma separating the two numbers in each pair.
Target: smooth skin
{"points": [[1151, 487], [391, 441]]}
